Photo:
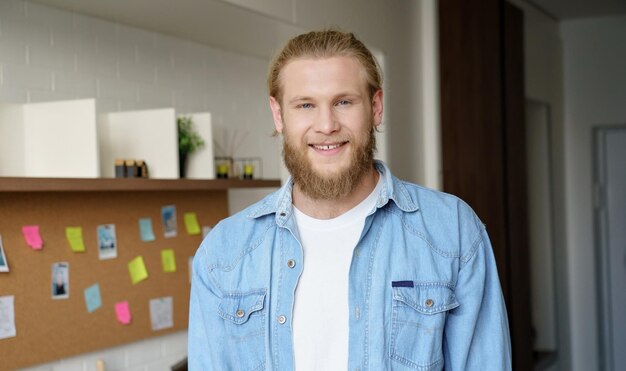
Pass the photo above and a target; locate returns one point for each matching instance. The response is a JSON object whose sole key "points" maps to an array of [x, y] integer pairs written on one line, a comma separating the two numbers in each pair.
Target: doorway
{"points": [[541, 234], [610, 230]]}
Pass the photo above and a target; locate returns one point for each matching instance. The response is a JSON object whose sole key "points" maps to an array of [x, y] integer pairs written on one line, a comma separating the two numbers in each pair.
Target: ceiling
{"points": [[572, 9], [223, 24], [559, 9], [229, 25]]}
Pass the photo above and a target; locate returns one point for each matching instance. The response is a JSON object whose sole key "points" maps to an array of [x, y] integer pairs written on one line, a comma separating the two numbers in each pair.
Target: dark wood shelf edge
{"points": [[13, 184]]}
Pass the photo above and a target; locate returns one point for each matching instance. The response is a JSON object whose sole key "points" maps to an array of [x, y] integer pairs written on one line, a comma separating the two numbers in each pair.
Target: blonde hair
{"points": [[324, 44]]}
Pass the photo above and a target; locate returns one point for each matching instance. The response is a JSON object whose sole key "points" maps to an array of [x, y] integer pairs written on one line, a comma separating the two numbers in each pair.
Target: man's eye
{"points": [[343, 102], [305, 105]]}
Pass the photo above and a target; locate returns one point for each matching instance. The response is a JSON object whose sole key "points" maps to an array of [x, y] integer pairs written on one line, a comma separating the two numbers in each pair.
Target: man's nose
{"points": [[327, 122]]}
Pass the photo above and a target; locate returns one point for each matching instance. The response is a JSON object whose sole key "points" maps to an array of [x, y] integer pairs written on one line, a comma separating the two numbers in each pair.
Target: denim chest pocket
{"points": [[244, 325], [418, 320]]}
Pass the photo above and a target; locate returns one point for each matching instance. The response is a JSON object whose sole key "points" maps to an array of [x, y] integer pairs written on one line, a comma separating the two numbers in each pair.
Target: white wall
{"points": [[48, 54], [594, 52], [577, 68], [156, 354]]}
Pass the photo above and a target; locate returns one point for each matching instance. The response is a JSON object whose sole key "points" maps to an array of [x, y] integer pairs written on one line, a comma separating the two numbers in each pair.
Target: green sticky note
{"points": [[75, 238], [137, 270], [168, 260], [191, 223]]}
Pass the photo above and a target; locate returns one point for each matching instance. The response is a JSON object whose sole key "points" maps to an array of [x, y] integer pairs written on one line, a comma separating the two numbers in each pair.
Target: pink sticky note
{"points": [[32, 236], [122, 310]]}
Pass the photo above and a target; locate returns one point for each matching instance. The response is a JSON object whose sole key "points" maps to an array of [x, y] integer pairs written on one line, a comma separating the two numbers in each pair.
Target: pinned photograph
{"points": [[4, 264], [7, 317], [168, 216], [60, 280], [107, 242], [161, 313]]}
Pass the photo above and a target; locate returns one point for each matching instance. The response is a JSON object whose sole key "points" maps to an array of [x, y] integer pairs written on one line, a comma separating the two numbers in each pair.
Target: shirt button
{"points": [[282, 319], [291, 263], [429, 302], [240, 313]]}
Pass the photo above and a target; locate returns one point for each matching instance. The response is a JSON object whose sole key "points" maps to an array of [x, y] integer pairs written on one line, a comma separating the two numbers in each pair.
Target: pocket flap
{"points": [[426, 298], [237, 307]]}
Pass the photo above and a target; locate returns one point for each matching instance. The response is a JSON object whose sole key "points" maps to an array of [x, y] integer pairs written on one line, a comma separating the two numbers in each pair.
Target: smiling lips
{"points": [[327, 147]]}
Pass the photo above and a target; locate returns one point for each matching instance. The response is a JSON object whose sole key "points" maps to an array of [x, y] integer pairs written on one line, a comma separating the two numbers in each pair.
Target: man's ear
{"points": [[276, 115], [377, 107]]}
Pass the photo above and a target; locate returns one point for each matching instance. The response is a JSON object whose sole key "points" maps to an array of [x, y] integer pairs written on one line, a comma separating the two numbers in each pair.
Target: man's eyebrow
{"points": [[302, 98], [299, 99]]}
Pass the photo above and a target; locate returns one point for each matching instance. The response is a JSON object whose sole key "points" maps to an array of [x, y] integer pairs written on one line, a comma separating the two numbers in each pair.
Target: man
{"points": [[344, 267]]}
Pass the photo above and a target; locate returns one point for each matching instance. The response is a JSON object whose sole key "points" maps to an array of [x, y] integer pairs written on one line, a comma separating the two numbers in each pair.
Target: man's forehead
{"points": [[343, 69], [323, 62]]}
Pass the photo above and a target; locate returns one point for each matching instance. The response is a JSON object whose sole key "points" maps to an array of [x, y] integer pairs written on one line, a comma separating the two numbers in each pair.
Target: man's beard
{"points": [[334, 186]]}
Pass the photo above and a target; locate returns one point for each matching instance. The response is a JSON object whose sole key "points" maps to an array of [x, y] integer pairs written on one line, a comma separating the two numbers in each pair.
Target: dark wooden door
{"points": [[483, 140]]}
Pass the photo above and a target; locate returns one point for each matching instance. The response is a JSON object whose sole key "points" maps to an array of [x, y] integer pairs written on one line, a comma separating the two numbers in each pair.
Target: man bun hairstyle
{"points": [[324, 44]]}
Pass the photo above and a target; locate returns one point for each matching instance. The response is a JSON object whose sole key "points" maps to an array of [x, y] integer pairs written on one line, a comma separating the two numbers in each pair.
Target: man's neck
{"points": [[328, 209]]}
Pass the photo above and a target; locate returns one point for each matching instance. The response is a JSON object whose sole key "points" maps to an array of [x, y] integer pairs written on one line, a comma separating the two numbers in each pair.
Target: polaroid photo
{"points": [[161, 313], [168, 216], [7, 317], [4, 264], [107, 242], [60, 280]]}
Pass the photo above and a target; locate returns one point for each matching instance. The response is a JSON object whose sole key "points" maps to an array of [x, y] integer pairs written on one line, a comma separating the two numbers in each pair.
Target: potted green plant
{"points": [[189, 141]]}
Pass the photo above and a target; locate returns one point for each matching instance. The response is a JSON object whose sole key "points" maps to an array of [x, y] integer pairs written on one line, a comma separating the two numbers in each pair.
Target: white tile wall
{"points": [[157, 354], [48, 54]]}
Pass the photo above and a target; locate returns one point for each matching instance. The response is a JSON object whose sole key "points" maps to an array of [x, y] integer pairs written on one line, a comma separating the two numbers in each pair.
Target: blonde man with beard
{"points": [[344, 267]]}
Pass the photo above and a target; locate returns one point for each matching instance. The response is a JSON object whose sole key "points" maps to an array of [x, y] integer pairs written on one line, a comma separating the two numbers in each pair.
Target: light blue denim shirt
{"points": [[424, 292]]}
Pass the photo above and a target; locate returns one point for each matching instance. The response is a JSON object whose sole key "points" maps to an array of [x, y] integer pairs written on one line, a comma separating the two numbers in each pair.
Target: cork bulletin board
{"points": [[49, 329]]}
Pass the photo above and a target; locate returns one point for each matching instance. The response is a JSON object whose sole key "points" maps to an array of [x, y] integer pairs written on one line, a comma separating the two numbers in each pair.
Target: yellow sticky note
{"points": [[191, 223], [75, 238], [168, 260], [137, 270]]}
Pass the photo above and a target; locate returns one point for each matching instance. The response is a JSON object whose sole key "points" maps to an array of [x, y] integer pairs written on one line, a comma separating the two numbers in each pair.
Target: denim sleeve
{"points": [[203, 303], [477, 331]]}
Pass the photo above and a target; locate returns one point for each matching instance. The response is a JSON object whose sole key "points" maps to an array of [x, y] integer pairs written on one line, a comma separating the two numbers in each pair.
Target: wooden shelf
{"points": [[10, 184]]}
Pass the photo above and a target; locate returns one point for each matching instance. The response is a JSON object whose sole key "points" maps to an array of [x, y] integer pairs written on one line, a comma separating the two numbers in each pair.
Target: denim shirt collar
{"points": [[280, 202]]}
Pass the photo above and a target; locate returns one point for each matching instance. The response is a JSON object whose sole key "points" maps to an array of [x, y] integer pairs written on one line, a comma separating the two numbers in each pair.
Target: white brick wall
{"points": [[48, 54], [156, 354]]}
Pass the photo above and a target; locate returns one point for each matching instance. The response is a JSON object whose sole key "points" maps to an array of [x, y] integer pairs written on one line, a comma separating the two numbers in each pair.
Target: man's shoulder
{"points": [[414, 199], [240, 230], [442, 214], [430, 200], [250, 217]]}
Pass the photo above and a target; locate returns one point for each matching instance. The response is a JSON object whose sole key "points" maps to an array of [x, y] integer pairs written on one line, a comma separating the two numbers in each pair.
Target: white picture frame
{"points": [[4, 263]]}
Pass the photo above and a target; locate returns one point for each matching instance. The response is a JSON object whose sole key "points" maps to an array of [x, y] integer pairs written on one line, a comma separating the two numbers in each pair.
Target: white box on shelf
{"points": [[148, 135], [61, 139], [201, 164], [51, 139], [11, 139]]}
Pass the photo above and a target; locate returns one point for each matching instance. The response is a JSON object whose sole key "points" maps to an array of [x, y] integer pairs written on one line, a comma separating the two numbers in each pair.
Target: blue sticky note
{"points": [[92, 297], [145, 229]]}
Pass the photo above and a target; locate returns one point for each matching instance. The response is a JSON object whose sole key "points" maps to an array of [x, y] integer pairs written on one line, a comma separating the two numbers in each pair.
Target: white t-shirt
{"points": [[321, 313]]}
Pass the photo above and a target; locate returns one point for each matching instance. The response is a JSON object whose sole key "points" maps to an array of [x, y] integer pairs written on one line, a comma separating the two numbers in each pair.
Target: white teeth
{"points": [[327, 147]]}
